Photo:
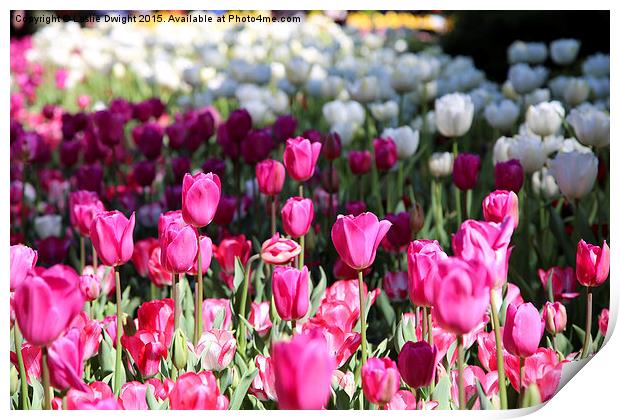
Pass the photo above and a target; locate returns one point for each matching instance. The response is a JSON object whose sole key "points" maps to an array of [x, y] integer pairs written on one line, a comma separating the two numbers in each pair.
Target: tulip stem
{"points": [[424, 321], [468, 200], [47, 401], [293, 326], [94, 259], [430, 328], [176, 296], [198, 304], [301, 190], [273, 215], [499, 353], [360, 283], [521, 375], [457, 191], [586, 340], [119, 331], [302, 243], [461, 382], [244, 298], [23, 395], [82, 255]]}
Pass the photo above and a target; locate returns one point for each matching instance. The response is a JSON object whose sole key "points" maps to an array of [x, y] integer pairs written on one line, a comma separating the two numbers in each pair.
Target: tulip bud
{"points": [[465, 171], [416, 218], [603, 322], [90, 286], [531, 396], [179, 349], [330, 180], [416, 363], [554, 315], [359, 161], [380, 380], [592, 266], [332, 147], [523, 329], [14, 380], [454, 114], [508, 175], [290, 292], [386, 153]]}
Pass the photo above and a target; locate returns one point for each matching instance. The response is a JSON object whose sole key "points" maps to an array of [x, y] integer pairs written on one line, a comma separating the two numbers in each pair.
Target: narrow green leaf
{"points": [[317, 293], [441, 393], [239, 274], [242, 389]]}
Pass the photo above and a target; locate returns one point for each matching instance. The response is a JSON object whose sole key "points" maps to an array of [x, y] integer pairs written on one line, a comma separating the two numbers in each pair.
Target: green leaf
{"points": [[151, 401], [398, 336], [37, 395], [563, 343], [386, 307], [441, 393], [239, 274], [317, 293], [485, 403], [580, 334], [256, 403], [219, 319], [242, 389], [381, 348]]}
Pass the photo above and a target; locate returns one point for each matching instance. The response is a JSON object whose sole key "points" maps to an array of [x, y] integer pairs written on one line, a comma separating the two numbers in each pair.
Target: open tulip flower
{"points": [[248, 218]]}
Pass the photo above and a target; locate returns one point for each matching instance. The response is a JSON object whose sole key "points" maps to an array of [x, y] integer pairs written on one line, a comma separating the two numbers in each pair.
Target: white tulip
{"points": [[454, 114], [564, 51], [536, 97], [529, 151], [574, 172], [48, 225], [572, 145], [440, 164], [502, 115], [552, 144], [544, 185], [576, 91], [403, 79], [596, 65], [591, 126], [345, 130], [545, 118], [599, 86], [384, 111], [527, 52], [297, 71], [364, 90], [525, 79], [406, 140], [336, 112], [425, 123], [500, 149]]}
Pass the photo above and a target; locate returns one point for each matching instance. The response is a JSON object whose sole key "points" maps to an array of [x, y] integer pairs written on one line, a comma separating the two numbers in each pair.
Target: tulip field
{"points": [[301, 215]]}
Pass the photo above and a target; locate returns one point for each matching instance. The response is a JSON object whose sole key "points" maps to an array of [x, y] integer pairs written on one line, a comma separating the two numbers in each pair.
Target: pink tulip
{"points": [[133, 395], [97, 396], [230, 248], [157, 316], [402, 400], [23, 259], [603, 322], [554, 316], [90, 286], [112, 236], [416, 363], [146, 349], [487, 352], [541, 368], [84, 206], [563, 282], [161, 389], [46, 304], [270, 175], [290, 292], [380, 380], [179, 246], [201, 195], [300, 156], [341, 344], [276, 250], [195, 391], [523, 329], [356, 238], [110, 403], [592, 264], [142, 253], [206, 252], [259, 317], [303, 372], [462, 296], [359, 161], [90, 334], [158, 275], [472, 375], [263, 384], [395, 285], [32, 361], [297, 216], [499, 204], [65, 362], [210, 311], [217, 348], [422, 258], [488, 242], [345, 381]]}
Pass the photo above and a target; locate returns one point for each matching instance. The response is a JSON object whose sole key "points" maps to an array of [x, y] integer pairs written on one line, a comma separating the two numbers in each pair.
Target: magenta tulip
{"points": [[380, 380], [179, 246], [270, 175], [300, 156], [356, 238], [303, 370], [297, 216], [422, 258], [83, 208], [206, 252], [523, 329], [65, 361], [592, 264], [112, 236], [133, 395], [359, 161], [195, 391], [276, 250], [416, 363], [23, 259], [509, 175], [465, 171], [200, 195], [386, 153], [290, 292], [499, 204]]}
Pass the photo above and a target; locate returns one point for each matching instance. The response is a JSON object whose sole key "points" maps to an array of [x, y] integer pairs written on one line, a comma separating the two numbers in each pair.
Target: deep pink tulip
{"points": [[23, 259], [542, 368], [462, 296], [563, 282], [211, 308], [90, 334], [386, 153], [206, 252], [380, 380], [90, 286], [509, 175], [422, 258], [161, 389], [142, 250], [217, 348], [416, 363], [523, 329], [465, 171], [65, 362], [592, 264], [195, 391], [290, 292], [46, 303], [83, 208], [201, 195], [133, 395], [499, 204], [32, 361], [276, 250], [472, 375], [179, 247], [259, 317], [300, 156], [112, 236], [263, 385], [554, 316], [603, 322], [303, 370], [270, 175], [359, 161], [157, 316], [488, 242], [395, 285], [356, 238], [146, 349], [297, 216]]}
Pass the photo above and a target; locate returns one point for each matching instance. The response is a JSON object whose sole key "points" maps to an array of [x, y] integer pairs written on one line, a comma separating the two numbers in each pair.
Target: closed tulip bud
{"points": [[454, 114], [356, 238], [528, 150], [206, 252], [508, 175], [386, 154], [179, 350], [217, 349], [90, 286], [592, 264], [276, 250], [523, 329], [465, 172], [112, 236], [564, 51], [225, 210], [256, 146], [416, 217], [405, 138], [355, 208], [290, 292], [603, 322], [554, 315], [499, 204], [380, 380], [65, 362], [297, 216], [545, 118], [332, 147], [259, 317], [238, 124], [502, 115], [422, 258], [214, 165], [23, 259], [441, 164], [576, 91], [144, 172], [270, 175], [399, 233], [416, 363], [179, 246], [284, 128], [14, 380], [525, 79], [300, 156], [359, 161], [83, 207], [201, 194], [330, 181]]}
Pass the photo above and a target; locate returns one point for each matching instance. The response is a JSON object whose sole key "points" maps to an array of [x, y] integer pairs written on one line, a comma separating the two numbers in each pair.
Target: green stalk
{"points": [[586, 340], [198, 305], [244, 298], [273, 215], [468, 200], [94, 259], [499, 353], [23, 395], [119, 331], [461, 382], [177, 300], [302, 243], [82, 255], [47, 401], [360, 283]]}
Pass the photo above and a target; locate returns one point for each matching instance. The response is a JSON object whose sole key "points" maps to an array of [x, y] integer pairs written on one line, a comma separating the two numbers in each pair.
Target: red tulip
{"points": [[303, 372], [157, 316], [523, 329], [422, 258], [146, 349], [603, 322], [554, 316], [592, 264], [290, 292], [386, 153], [395, 285], [45, 304], [499, 204], [206, 251], [276, 250], [297, 216], [195, 391], [465, 171], [200, 195], [32, 361], [83, 208], [112, 236], [356, 238], [416, 363], [270, 176], [142, 253], [23, 259], [228, 249], [65, 362], [359, 161], [380, 380], [300, 156], [179, 246], [263, 385]]}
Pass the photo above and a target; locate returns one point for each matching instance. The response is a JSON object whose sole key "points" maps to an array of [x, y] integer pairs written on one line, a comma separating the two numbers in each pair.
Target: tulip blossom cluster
{"points": [[300, 229]]}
